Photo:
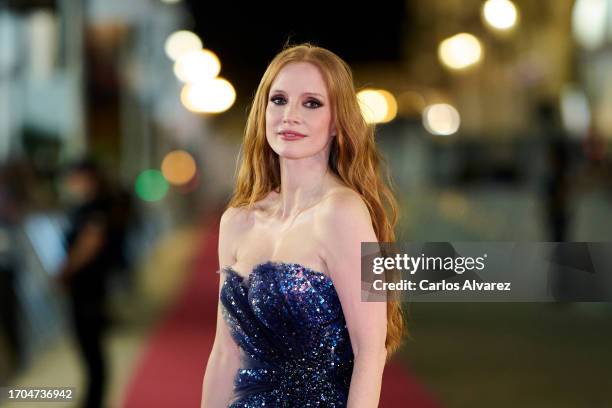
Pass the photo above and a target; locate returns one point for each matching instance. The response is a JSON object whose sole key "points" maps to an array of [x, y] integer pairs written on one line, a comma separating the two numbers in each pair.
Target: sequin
{"points": [[288, 322]]}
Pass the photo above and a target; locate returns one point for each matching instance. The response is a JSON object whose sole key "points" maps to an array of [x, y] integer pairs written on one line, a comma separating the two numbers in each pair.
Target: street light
{"points": [[213, 96], [377, 105], [441, 119], [500, 15], [181, 42], [460, 51], [589, 22], [197, 66]]}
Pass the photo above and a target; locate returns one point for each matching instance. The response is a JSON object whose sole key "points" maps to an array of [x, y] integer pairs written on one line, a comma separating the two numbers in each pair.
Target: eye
{"points": [[313, 104], [278, 100]]}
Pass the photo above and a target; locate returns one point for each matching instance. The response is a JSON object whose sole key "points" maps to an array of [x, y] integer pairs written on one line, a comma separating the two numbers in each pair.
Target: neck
{"points": [[302, 184]]}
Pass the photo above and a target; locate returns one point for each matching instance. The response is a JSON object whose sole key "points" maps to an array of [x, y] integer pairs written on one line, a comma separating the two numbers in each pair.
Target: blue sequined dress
{"points": [[295, 348]]}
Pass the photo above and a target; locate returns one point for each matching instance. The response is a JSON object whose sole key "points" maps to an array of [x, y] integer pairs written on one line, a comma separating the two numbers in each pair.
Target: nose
{"points": [[291, 114]]}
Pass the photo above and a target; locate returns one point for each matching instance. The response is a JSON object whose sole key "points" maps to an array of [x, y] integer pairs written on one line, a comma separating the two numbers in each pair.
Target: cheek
{"points": [[272, 115], [271, 125], [322, 123], [272, 121]]}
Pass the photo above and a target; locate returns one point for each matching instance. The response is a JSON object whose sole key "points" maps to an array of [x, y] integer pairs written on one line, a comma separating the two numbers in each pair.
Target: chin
{"points": [[295, 150], [292, 154]]}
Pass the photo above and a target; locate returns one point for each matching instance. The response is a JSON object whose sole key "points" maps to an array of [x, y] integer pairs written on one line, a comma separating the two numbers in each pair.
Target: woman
{"points": [[292, 329]]}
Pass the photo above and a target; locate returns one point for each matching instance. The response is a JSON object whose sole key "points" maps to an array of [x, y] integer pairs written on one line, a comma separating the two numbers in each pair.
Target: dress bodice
{"points": [[288, 322]]}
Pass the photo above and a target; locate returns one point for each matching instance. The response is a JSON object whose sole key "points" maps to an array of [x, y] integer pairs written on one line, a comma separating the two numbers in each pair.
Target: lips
{"points": [[291, 135]]}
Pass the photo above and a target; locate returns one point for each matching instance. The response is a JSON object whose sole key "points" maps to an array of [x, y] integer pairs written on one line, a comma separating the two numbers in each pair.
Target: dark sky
{"points": [[246, 36]]}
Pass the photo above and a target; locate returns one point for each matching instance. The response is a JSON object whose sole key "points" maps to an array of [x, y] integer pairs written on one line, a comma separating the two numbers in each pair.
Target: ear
{"points": [[332, 130]]}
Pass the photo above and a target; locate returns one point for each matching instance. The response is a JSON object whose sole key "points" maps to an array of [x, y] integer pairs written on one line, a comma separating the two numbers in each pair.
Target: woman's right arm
{"points": [[224, 359]]}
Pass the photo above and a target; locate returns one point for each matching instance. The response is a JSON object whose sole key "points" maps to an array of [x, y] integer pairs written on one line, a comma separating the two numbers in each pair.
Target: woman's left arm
{"points": [[346, 223]]}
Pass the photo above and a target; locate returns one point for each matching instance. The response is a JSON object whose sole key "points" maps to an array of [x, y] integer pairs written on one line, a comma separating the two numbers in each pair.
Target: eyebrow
{"points": [[304, 93]]}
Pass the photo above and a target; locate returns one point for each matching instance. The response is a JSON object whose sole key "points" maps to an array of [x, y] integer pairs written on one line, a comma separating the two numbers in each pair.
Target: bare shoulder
{"points": [[230, 227], [233, 222], [344, 219], [232, 217], [241, 218], [344, 205], [343, 223]]}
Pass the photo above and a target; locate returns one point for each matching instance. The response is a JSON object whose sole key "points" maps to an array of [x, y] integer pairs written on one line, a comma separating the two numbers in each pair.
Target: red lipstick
{"points": [[291, 135]]}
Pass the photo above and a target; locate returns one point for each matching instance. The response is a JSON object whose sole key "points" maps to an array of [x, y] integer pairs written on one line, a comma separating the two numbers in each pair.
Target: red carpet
{"points": [[171, 369], [400, 389]]}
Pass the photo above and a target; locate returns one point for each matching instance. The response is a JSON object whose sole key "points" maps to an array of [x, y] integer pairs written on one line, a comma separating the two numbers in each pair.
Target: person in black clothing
{"points": [[86, 271], [556, 191]]}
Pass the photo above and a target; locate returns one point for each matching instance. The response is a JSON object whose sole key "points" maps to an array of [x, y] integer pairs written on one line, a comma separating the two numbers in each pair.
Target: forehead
{"points": [[299, 77]]}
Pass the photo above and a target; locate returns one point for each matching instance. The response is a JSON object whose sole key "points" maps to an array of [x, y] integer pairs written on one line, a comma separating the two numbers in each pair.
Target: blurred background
{"points": [[120, 127]]}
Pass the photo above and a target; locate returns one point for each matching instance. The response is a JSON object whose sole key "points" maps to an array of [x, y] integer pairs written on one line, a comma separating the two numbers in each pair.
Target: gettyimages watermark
{"points": [[487, 271]]}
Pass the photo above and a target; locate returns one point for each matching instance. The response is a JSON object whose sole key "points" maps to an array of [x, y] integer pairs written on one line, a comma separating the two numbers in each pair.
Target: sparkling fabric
{"points": [[288, 322]]}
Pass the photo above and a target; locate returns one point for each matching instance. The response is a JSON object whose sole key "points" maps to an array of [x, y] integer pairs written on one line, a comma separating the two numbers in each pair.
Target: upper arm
{"points": [[227, 230], [223, 339], [345, 223]]}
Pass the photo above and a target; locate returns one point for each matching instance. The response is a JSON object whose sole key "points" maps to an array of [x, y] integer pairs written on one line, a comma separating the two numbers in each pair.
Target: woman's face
{"points": [[298, 115]]}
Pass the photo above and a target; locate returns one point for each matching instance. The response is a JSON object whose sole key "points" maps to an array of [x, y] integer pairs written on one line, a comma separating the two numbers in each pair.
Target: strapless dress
{"points": [[295, 348]]}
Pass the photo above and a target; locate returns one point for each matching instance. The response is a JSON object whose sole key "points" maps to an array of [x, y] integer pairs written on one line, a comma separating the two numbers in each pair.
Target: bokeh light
{"points": [[500, 14], [575, 111], [460, 51], [391, 105], [589, 22], [178, 167], [151, 185], [441, 119], [197, 66], [213, 96], [181, 42], [377, 105]]}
